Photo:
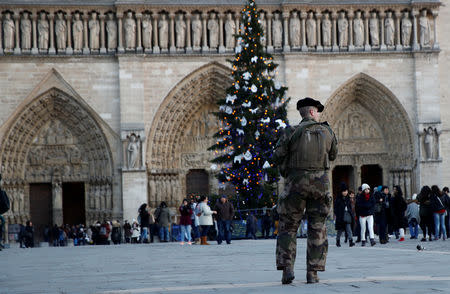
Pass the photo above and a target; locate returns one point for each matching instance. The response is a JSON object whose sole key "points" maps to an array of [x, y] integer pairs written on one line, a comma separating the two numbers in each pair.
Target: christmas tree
{"points": [[253, 116]]}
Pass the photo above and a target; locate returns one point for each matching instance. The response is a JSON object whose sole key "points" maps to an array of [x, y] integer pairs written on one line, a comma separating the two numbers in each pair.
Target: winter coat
{"points": [[398, 212], [205, 219], [266, 221], [365, 207], [252, 223], [339, 210], [127, 229], [425, 209], [163, 216], [186, 213], [383, 205], [145, 218], [225, 211], [412, 211]]}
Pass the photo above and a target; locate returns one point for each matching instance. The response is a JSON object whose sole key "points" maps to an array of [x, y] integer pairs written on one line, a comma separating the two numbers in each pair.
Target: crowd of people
{"points": [[377, 211]]}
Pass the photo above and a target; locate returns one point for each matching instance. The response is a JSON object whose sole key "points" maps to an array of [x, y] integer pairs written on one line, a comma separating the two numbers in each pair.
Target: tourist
{"points": [[439, 203], [195, 223], [29, 235], [251, 227], [412, 214], [225, 213], [144, 220], [2, 225], [357, 229], [163, 219], [398, 213], [116, 234], [382, 210], [205, 219], [266, 224], [185, 222], [365, 205], [343, 215], [445, 191], [426, 213], [136, 232], [127, 231], [103, 235]]}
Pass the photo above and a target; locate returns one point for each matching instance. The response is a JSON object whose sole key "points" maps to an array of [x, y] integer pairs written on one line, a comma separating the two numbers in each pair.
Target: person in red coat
{"points": [[185, 222]]}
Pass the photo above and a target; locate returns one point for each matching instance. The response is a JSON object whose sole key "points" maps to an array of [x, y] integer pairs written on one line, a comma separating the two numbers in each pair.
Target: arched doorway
{"points": [[374, 132], [55, 153], [181, 132]]}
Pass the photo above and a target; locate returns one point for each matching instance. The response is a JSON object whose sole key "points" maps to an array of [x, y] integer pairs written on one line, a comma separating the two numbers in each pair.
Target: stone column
{"points": [[17, 32], [139, 48], [366, 31], [269, 32], [188, 33], [221, 46], [286, 47], [172, 48], [350, 31], [303, 16], [357, 173], [382, 45], [155, 34], [415, 46], [435, 28], [57, 202], [319, 30], [86, 50], [51, 49], [1, 50], [398, 17], [205, 48], [102, 34], [120, 48], [334, 16], [69, 49], [34, 50]]}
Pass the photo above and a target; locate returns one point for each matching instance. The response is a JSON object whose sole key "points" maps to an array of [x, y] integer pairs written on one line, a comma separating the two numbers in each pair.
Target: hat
{"points": [[365, 186], [343, 187], [414, 196], [310, 102]]}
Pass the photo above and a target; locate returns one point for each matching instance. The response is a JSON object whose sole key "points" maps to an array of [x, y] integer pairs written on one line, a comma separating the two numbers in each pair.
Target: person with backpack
{"points": [[163, 218], [104, 233], [413, 216]]}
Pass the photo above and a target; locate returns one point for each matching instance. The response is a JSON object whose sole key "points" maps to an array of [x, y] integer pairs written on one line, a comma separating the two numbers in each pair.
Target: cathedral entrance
{"points": [[41, 209], [372, 174], [342, 174], [74, 211]]}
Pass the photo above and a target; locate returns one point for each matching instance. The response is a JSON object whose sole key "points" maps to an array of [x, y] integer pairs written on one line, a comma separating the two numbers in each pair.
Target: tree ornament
{"points": [[254, 89], [254, 59], [243, 121], [266, 165], [265, 120], [248, 104], [240, 131], [247, 76], [248, 155], [228, 110], [231, 98], [281, 124]]}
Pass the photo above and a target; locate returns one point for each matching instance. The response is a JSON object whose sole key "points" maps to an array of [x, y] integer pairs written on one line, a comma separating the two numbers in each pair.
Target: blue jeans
{"points": [[164, 234], [195, 231], [439, 222], [185, 233], [224, 227], [144, 234], [414, 228]]}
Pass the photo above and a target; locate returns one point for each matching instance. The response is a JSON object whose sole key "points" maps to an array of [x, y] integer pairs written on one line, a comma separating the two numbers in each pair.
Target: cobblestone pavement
{"points": [[246, 266]]}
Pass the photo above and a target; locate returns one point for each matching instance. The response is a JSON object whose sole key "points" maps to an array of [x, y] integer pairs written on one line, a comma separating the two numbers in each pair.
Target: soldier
{"points": [[303, 154]]}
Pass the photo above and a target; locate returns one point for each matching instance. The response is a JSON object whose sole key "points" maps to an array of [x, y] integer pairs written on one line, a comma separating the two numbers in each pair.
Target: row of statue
{"points": [[67, 33]]}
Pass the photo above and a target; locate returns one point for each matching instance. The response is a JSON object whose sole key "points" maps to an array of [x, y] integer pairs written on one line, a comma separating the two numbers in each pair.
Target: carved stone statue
{"points": [[60, 31], [94, 32], [43, 27], [196, 31], [294, 30], [358, 30], [311, 30], [132, 151], [8, 32], [263, 22], [343, 30], [428, 142], [326, 30], [389, 29], [147, 29], [374, 31], [163, 27], [77, 30], [425, 29], [230, 30], [111, 30], [180, 29], [277, 31], [213, 27], [25, 27], [406, 30], [130, 31]]}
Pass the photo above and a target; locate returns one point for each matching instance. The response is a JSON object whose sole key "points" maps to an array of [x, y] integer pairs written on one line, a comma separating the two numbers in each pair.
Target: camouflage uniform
{"points": [[307, 188]]}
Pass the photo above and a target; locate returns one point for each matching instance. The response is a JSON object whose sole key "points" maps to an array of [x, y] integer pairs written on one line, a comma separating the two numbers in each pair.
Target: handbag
{"points": [[378, 208], [347, 217]]}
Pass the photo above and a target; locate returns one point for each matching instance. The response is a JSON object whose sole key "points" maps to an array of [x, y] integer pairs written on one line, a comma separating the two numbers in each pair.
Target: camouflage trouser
{"points": [[304, 190]]}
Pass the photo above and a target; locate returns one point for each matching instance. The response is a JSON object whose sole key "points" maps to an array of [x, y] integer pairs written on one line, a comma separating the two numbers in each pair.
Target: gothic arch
{"points": [[55, 137], [372, 128]]}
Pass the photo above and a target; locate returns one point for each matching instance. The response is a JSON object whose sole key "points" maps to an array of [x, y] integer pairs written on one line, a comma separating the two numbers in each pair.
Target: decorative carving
{"points": [[425, 30], [130, 31], [180, 29], [196, 32], [25, 27], [263, 23], [326, 30], [294, 30], [111, 29], [430, 142], [311, 30], [277, 31], [133, 151], [389, 29], [163, 27], [343, 30], [60, 31], [374, 31], [406, 30], [94, 32], [213, 27], [358, 30], [230, 30], [77, 30], [8, 32], [43, 27], [147, 30]]}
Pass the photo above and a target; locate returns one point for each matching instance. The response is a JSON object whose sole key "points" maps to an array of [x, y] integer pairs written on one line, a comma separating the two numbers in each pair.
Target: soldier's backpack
{"points": [[4, 202]]}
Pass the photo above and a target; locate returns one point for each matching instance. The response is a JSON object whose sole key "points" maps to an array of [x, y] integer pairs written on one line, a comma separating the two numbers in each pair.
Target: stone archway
{"points": [[55, 137], [372, 129], [182, 131]]}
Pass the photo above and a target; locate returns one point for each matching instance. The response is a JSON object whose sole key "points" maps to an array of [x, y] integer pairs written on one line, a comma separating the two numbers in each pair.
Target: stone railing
{"points": [[207, 29]]}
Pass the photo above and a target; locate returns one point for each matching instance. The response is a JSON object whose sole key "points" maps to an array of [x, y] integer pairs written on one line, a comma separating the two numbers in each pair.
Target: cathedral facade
{"points": [[105, 106]]}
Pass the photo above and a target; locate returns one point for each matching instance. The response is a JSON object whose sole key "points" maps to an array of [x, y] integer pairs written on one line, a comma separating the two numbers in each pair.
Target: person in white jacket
{"points": [[204, 214]]}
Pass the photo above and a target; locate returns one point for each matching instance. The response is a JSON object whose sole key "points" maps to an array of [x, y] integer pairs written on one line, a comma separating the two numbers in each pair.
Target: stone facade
{"points": [[119, 95]]}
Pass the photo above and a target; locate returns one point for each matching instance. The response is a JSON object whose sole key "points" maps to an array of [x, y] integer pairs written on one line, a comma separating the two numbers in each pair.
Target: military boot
{"points": [[288, 275], [312, 277]]}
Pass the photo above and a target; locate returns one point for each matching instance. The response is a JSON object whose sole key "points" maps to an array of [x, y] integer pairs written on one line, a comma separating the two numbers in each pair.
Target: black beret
{"points": [[310, 102]]}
